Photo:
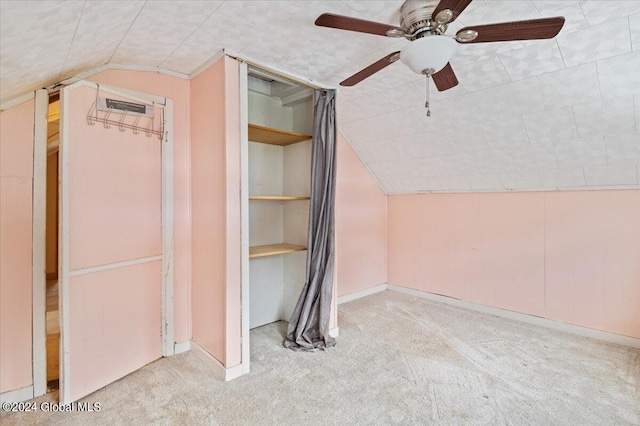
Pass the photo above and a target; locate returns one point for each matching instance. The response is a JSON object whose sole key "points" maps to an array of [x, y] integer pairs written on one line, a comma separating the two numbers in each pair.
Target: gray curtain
{"points": [[309, 325]]}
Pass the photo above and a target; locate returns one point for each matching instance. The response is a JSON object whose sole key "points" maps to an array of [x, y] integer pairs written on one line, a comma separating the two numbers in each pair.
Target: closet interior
{"points": [[280, 115]]}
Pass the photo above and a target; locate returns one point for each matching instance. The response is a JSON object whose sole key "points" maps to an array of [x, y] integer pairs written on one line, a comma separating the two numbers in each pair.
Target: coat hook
{"points": [[106, 120], [121, 122]]}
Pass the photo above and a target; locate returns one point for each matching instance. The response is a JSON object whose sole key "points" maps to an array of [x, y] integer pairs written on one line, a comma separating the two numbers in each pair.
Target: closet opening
{"points": [[280, 124], [52, 312]]}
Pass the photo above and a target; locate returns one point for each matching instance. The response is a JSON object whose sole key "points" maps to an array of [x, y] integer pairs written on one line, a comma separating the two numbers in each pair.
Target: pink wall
{"points": [[566, 256], [16, 174], [208, 210], [361, 224], [177, 89]]}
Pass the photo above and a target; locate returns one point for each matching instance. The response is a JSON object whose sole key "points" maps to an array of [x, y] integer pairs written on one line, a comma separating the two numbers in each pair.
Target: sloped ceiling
{"points": [[557, 114]]}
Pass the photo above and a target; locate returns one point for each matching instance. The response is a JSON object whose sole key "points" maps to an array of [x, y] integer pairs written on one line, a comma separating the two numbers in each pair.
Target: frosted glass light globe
{"points": [[429, 52]]}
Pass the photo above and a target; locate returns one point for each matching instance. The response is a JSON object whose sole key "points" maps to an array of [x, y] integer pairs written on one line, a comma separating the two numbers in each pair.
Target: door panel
{"points": [[115, 189], [111, 240], [118, 327]]}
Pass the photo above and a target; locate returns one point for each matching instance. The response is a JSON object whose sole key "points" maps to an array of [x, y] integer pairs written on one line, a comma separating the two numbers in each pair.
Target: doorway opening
{"points": [[52, 312]]}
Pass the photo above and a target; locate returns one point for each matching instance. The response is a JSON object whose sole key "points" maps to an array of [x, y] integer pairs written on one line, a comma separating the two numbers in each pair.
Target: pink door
{"points": [[111, 238]]}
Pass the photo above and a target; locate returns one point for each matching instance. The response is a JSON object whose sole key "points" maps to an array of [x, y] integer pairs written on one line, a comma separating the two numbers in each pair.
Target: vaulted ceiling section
{"points": [[535, 115]]}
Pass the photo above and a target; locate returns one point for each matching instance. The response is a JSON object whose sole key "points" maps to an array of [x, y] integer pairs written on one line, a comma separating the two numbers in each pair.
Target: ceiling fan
{"points": [[424, 23]]}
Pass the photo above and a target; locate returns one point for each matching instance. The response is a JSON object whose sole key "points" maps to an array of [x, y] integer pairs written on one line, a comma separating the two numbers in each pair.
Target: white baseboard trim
{"points": [[221, 371], [179, 348], [17, 395], [362, 293], [334, 332], [529, 319]]}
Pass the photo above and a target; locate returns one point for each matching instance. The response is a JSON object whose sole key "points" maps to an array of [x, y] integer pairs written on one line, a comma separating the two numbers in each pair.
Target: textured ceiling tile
{"points": [[571, 86], [394, 149], [34, 39], [494, 160], [634, 27], [623, 148], [366, 130], [411, 121], [101, 28], [376, 104], [459, 164], [619, 174], [404, 95], [549, 126], [454, 183], [433, 143], [605, 11], [552, 7], [485, 182], [467, 139], [562, 178], [408, 168], [482, 75], [163, 25], [595, 43], [423, 167], [505, 132], [574, 18], [472, 108], [581, 152], [472, 53], [372, 9], [535, 59], [619, 76], [606, 117], [267, 15], [398, 186], [209, 39], [521, 180], [384, 170], [540, 156], [517, 98], [500, 11], [427, 183], [348, 109]]}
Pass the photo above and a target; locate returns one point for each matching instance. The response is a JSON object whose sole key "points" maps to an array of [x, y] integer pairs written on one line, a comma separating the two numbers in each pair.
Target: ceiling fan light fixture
{"points": [[431, 52]]}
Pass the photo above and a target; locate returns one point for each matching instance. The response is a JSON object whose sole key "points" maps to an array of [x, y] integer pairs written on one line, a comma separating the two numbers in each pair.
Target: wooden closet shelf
{"points": [[277, 197], [273, 249], [275, 136]]}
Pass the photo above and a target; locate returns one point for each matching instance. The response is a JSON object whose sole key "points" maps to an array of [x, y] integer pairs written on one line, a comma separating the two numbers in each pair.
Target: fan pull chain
{"points": [[427, 105]]}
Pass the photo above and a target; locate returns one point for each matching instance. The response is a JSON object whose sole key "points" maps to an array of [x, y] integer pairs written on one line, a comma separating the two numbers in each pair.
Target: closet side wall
{"points": [[16, 175], [208, 189], [215, 204]]}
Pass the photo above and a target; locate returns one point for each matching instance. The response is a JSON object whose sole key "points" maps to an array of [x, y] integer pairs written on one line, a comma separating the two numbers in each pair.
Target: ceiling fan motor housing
{"points": [[416, 18]]}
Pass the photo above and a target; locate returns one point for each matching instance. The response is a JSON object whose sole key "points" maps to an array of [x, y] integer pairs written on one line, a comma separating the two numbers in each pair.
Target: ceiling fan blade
{"points": [[445, 78], [454, 6], [371, 69], [534, 29], [360, 25]]}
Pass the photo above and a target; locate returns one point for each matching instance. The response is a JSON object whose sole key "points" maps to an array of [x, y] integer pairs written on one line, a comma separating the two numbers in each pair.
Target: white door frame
{"points": [[39, 230], [245, 359]]}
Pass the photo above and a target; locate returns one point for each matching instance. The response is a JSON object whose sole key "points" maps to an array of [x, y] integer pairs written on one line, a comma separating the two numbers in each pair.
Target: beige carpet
{"points": [[399, 360]]}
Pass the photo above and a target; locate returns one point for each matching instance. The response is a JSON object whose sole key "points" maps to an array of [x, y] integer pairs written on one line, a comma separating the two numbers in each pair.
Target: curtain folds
{"points": [[309, 325]]}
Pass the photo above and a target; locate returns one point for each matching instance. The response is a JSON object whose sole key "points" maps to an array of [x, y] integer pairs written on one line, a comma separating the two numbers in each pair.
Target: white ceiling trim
{"points": [[18, 100]]}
